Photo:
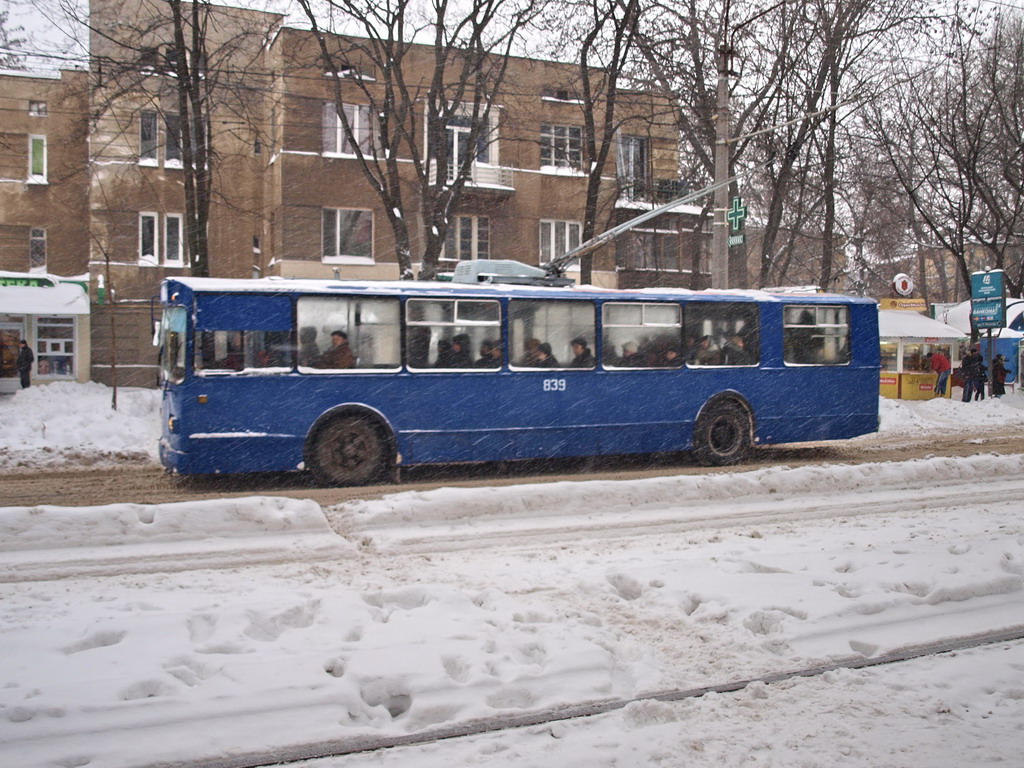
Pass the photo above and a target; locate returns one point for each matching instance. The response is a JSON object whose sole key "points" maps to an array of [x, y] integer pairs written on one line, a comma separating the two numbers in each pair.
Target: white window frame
{"points": [[37, 178], [563, 149], [149, 260], [474, 249], [341, 258], [172, 162], [548, 240], [334, 129], [37, 109], [176, 259], [149, 157], [36, 235]]}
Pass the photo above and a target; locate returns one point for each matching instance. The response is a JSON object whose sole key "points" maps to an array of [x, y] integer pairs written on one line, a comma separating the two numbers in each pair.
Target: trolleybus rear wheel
{"points": [[349, 450], [722, 435]]}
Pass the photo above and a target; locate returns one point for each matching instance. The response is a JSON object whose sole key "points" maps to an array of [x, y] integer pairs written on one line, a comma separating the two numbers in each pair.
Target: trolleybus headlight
{"points": [[171, 423]]}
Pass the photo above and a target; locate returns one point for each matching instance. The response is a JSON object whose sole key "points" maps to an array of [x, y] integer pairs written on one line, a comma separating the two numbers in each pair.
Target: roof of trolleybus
{"points": [[286, 285]]}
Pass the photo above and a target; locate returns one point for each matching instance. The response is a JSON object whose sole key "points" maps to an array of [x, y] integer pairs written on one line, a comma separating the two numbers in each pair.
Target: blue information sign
{"points": [[988, 313], [987, 285], [988, 307]]}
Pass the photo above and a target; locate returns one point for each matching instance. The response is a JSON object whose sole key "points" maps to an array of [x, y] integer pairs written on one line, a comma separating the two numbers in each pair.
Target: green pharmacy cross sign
{"points": [[736, 216]]}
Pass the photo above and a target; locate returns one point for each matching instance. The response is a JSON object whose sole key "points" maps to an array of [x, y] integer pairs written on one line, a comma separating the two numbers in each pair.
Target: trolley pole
{"points": [[720, 227]]}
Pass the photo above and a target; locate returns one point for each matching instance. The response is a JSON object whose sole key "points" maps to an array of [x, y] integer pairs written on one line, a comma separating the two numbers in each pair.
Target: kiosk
{"points": [[906, 338]]}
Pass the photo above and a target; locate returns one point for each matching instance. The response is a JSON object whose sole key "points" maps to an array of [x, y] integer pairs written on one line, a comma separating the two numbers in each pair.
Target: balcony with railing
{"points": [[483, 178]]}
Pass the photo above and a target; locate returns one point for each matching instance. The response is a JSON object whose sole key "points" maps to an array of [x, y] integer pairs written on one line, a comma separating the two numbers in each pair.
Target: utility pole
{"points": [[719, 225]]}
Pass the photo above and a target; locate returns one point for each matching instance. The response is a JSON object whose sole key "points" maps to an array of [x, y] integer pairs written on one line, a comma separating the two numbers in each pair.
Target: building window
{"points": [[557, 237], [37, 250], [55, 347], [172, 141], [149, 251], [148, 138], [335, 140], [347, 236], [469, 237], [37, 109], [173, 254], [37, 159], [632, 167], [561, 146], [653, 246]]}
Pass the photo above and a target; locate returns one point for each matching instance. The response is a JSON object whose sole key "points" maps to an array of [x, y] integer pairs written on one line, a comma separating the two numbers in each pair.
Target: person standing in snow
{"points": [[999, 376], [24, 363], [971, 373], [940, 366]]}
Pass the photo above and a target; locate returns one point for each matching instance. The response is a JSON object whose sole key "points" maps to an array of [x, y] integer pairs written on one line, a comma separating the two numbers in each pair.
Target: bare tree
{"points": [[10, 55], [191, 63], [433, 71]]}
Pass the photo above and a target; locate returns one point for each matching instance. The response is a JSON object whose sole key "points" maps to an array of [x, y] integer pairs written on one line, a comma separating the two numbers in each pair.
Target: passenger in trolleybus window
{"points": [[339, 355]]}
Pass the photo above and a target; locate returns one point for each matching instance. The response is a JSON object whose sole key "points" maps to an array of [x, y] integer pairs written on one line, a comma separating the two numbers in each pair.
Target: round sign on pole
{"points": [[903, 284]]}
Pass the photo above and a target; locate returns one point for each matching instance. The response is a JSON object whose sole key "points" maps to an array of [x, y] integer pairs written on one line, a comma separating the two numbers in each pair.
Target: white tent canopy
{"points": [[960, 315], [902, 324]]}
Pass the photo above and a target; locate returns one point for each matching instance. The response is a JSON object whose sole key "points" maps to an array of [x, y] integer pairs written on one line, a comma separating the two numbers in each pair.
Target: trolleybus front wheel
{"points": [[722, 435], [349, 450]]}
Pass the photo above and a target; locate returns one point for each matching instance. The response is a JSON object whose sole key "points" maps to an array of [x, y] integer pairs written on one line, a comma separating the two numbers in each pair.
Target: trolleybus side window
{"points": [[348, 333], [252, 351], [817, 335], [560, 325], [640, 335], [722, 333], [452, 333]]}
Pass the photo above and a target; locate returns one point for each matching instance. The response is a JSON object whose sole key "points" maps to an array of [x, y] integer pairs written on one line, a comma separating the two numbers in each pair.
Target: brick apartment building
{"points": [[289, 197]]}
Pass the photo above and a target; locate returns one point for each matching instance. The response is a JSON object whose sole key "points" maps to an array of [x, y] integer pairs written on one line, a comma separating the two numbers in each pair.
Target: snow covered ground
{"points": [[182, 634]]}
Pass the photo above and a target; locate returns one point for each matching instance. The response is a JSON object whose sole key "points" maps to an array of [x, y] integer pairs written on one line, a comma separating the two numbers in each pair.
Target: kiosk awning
{"points": [[61, 299], [897, 324]]}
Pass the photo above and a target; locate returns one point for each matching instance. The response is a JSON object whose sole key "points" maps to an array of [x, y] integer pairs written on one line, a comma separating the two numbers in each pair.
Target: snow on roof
{"points": [[894, 323], [60, 299]]}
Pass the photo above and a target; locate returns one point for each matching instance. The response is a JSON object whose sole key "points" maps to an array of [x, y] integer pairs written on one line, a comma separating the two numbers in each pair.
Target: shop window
{"points": [[55, 347]]}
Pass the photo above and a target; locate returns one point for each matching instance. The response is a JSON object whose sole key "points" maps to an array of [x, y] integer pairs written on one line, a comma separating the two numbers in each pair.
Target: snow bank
{"points": [[67, 423]]}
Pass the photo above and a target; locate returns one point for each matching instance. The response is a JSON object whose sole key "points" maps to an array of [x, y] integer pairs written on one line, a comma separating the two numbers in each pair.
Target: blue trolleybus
{"points": [[353, 380]]}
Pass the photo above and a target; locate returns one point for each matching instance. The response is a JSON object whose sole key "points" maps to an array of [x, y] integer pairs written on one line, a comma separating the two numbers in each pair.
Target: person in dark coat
{"points": [[460, 355], [339, 355], [24, 363], [584, 358], [545, 359], [971, 371], [999, 376]]}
